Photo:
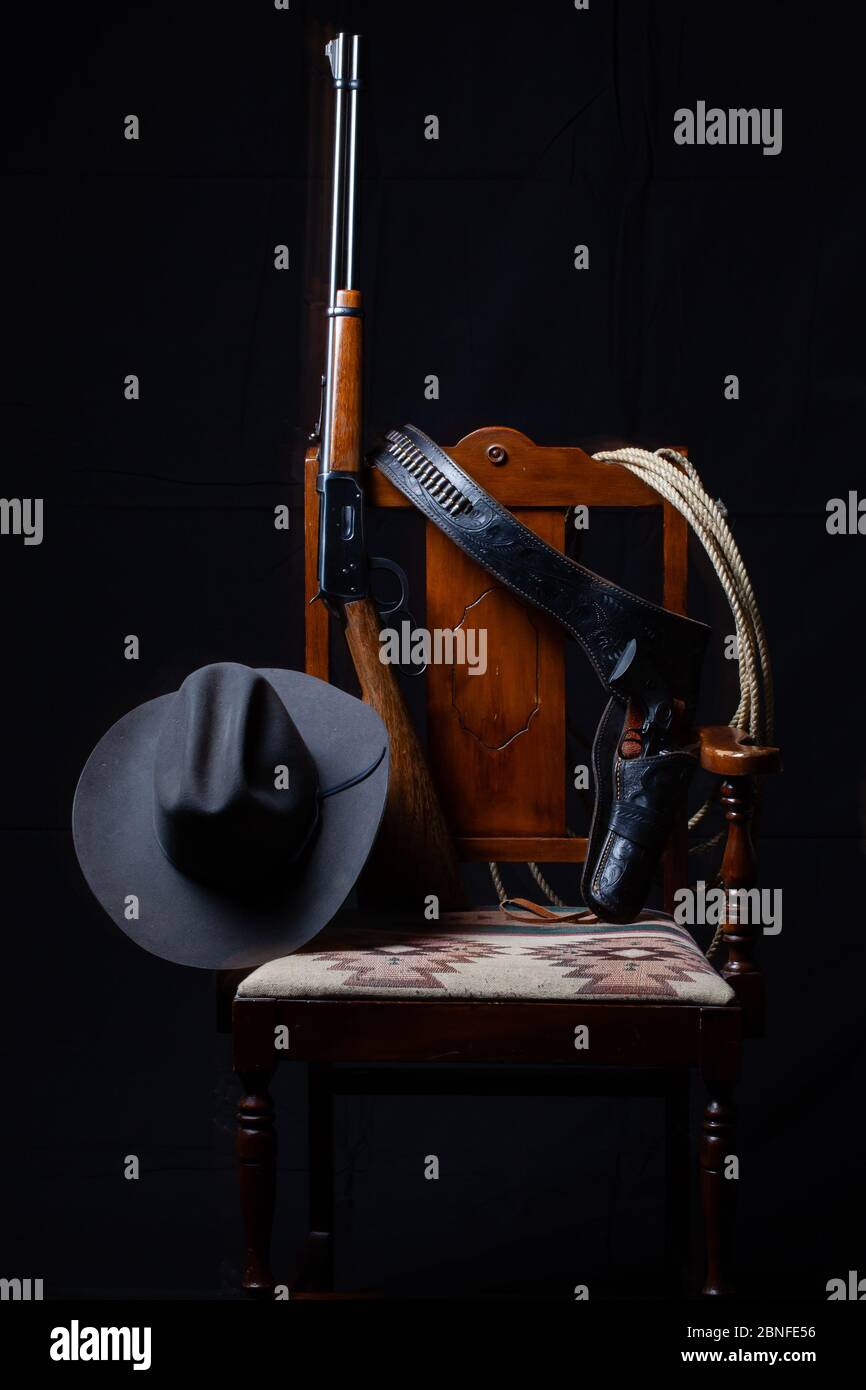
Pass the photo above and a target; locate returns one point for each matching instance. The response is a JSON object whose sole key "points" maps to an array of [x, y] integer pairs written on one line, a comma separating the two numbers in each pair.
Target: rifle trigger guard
{"points": [[380, 562], [398, 605]]}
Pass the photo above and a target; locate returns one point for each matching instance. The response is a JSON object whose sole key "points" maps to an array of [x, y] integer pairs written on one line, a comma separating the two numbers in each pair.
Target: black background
{"points": [[156, 257]]}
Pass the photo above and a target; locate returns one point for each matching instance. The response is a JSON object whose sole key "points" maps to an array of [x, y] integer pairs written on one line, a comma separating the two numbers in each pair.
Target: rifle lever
{"points": [[396, 609]]}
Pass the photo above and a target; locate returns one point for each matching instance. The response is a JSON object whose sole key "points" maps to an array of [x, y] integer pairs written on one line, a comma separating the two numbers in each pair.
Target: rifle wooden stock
{"points": [[414, 855]]}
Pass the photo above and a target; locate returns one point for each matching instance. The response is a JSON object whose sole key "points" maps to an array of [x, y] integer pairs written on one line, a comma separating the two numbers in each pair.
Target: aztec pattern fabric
{"points": [[482, 956]]}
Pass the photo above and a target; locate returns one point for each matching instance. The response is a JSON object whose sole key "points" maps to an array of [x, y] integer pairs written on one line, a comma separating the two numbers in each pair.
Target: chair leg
{"points": [[257, 1166], [717, 1190]]}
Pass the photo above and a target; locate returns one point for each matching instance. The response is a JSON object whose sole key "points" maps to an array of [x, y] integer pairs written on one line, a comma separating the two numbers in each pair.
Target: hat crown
{"points": [[235, 787]]}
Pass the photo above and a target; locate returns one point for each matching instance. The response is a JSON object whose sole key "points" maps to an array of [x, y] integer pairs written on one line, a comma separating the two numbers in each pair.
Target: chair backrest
{"points": [[496, 741]]}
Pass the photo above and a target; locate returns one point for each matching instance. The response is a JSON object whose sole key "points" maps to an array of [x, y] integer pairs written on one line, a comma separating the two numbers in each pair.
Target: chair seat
{"points": [[482, 955]]}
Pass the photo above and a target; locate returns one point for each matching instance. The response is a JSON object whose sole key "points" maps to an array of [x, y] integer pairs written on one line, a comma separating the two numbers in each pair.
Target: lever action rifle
{"points": [[414, 855]]}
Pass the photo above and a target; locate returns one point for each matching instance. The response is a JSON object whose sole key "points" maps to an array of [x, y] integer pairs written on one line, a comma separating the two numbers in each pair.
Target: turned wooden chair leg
{"points": [[257, 1169], [739, 872], [717, 1190]]}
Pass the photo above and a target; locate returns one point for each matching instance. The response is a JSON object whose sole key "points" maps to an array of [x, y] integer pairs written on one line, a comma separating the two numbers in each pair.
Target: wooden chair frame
{"points": [[653, 1044]]}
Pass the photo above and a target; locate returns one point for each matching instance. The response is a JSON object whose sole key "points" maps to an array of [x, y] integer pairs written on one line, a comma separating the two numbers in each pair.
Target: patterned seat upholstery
{"points": [[484, 955]]}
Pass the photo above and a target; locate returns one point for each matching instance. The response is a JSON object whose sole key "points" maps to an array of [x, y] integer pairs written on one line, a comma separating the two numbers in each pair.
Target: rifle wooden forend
{"points": [[414, 855], [346, 381]]}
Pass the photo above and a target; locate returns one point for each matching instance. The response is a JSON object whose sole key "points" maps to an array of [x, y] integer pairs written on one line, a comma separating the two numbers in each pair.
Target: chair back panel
{"points": [[497, 741], [496, 736]]}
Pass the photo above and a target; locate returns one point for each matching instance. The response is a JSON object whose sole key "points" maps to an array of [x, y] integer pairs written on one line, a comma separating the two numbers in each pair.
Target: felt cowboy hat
{"points": [[226, 823]]}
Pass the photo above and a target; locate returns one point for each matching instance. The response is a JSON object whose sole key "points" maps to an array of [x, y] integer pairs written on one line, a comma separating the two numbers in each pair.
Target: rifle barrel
{"points": [[352, 165], [336, 51]]}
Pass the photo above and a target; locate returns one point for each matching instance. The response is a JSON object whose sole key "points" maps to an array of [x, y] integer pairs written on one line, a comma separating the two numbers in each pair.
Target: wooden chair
{"points": [[488, 740]]}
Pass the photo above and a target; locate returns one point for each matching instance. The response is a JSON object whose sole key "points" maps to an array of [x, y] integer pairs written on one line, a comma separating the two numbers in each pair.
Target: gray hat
{"points": [[225, 824]]}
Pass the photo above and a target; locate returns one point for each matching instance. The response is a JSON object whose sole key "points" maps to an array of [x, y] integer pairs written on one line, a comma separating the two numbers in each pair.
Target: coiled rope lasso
{"points": [[675, 478]]}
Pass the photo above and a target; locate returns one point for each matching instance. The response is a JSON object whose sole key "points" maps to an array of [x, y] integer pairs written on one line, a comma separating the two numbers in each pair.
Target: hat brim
{"points": [[193, 924]]}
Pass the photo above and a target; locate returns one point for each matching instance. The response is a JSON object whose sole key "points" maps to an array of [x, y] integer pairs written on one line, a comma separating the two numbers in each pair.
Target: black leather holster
{"points": [[647, 658]]}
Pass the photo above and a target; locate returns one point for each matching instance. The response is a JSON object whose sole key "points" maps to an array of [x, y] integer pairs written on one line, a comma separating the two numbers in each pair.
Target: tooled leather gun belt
{"points": [[646, 657]]}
